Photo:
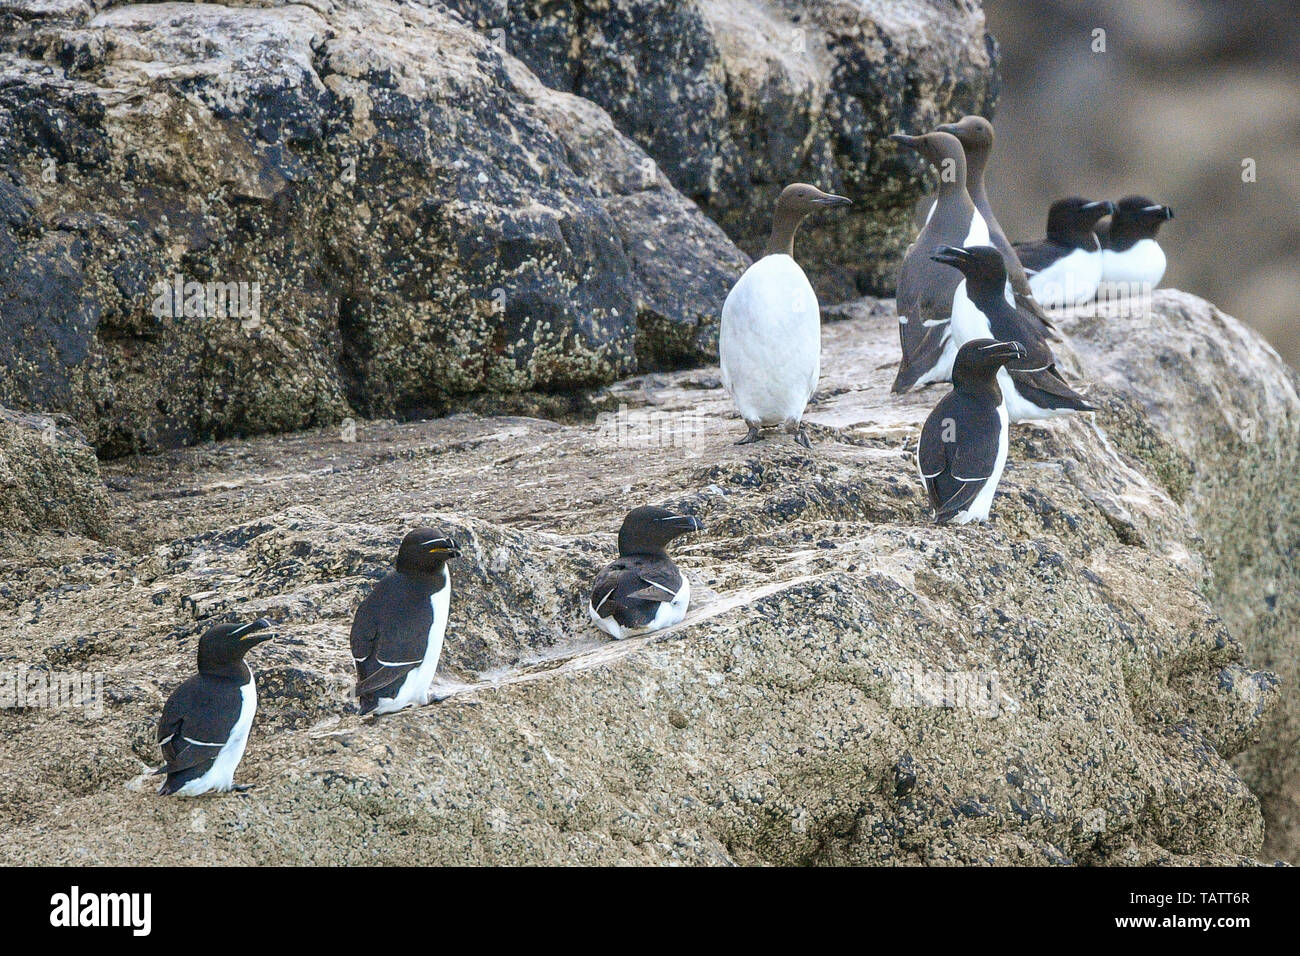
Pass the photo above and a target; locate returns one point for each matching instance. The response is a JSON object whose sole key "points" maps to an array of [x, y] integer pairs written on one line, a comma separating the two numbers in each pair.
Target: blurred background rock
{"points": [[1185, 90]]}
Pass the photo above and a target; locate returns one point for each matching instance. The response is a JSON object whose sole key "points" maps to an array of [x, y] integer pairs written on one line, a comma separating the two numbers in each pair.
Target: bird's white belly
{"points": [[414, 691], [1070, 280], [669, 613], [1141, 266], [769, 345], [968, 322], [221, 775], [1021, 409], [979, 508]]}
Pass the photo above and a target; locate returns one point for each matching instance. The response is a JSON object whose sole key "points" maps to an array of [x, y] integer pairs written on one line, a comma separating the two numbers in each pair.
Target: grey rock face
{"points": [[737, 98], [852, 684], [49, 478], [361, 208]]}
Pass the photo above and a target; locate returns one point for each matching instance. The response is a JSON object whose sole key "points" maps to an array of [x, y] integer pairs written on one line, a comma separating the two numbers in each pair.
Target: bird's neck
{"points": [[785, 224], [231, 670]]}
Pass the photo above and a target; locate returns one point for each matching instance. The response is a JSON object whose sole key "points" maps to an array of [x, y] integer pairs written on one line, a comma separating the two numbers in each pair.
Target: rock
{"points": [[222, 221], [737, 98], [852, 684], [1227, 404], [49, 478]]}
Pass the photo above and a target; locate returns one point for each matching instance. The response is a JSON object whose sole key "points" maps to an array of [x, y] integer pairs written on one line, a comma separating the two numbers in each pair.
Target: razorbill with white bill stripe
{"points": [[1131, 259], [926, 289], [205, 723], [1032, 387], [643, 590], [975, 134], [770, 343], [1065, 268], [398, 629], [963, 446]]}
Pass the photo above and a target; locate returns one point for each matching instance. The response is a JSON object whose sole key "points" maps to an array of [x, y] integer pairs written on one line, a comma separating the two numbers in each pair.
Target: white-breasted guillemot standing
{"points": [[925, 288], [769, 346]]}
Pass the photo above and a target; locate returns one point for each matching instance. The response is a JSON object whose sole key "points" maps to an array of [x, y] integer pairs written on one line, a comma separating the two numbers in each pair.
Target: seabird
{"points": [[642, 591], [769, 345], [1131, 259], [975, 134], [926, 289], [204, 725], [963, 446], [398, 629], [1065, 268], [1032, 387]]}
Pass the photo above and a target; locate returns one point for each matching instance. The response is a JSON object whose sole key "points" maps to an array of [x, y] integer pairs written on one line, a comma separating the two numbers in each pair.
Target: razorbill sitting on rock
{"points": [[1032, 388], [205, 722], [398, 629], [642, 591], [770, 344], [963, 446], [1131, 259], [1065, 268], [925, 288]]}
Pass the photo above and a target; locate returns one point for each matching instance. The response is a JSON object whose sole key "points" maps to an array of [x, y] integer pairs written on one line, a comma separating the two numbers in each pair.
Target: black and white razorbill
{"points": [[643, 590], [770, 340], [925, 290], [963, 446], [975, 134], [1131, 259], [205, 723], [398, 629], [1032, 387], [1065, 268]]}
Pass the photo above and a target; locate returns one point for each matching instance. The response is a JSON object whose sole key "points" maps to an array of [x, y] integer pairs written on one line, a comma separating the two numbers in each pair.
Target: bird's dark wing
{"points": [[957, 453], [1048, 389], [631, 589], [196, 722], [390, 635], [1037, 256], [925, 291]]}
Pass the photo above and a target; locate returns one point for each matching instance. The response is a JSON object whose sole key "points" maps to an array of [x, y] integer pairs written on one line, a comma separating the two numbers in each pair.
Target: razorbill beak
{"points": [[250, 635]]}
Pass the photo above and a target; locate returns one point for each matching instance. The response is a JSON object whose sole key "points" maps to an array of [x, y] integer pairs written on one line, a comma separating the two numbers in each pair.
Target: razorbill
{"points": [[1032, 387], [925, 288], [975, 134], [642, 591], [963, 446], [204, 725], [770, 344], [398, 629], [1131, 259], [1065, 268]]}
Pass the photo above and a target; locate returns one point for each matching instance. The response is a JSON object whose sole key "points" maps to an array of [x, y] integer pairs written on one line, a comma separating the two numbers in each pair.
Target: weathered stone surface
{"points": [[418, 218], [1224, 399], [49, 478], [1098, 696], [737, 98]]}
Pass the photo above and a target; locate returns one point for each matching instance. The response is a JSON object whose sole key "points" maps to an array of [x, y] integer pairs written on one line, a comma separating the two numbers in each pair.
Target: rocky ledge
{"points": [[1078, 682]]}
